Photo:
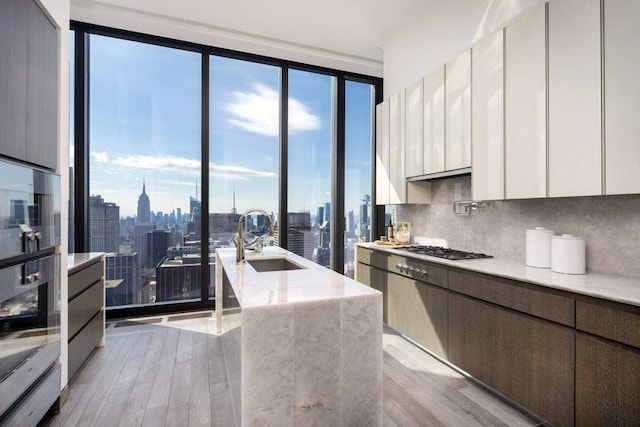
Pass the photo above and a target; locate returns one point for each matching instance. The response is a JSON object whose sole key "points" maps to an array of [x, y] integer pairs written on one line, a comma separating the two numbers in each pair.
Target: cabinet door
{"points": [[530, 361], [42, 90], [458, 112], [526, 107], [413, 127], [622, 96], [13, 78], [375, 278], [487, 109], [397, 182], [434, 121], [382, 153], [575, 142], [419, 311], [607, 383]]}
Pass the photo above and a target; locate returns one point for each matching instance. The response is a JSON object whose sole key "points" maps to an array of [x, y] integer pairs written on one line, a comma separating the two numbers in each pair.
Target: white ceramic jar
{"points": [[568, 254], [538, 247]]}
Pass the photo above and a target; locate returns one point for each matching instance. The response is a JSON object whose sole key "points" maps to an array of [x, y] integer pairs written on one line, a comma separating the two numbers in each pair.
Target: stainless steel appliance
{"points": [[29, 293], [446, 253]]}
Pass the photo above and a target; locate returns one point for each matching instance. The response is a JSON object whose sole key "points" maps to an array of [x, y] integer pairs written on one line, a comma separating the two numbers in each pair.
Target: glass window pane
{"points": [[310, 134], [359, 107], [145, 132], [243, 149]]}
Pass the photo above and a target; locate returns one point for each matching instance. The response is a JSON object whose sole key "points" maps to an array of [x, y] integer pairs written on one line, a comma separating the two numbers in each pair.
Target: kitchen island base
{"points": [[307, 360]]}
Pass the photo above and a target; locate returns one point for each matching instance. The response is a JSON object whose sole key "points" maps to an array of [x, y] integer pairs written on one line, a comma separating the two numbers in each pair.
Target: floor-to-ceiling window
{"points": [[144, 169], [244, 123], [290, 139], [359, 143], [311, 130]]}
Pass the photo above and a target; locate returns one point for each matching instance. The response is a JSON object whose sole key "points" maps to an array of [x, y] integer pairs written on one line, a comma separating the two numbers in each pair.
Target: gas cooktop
{"points": [[446, 253]]}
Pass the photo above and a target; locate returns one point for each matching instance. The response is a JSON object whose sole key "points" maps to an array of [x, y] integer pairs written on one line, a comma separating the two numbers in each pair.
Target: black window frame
{"points": [[81, 75]]}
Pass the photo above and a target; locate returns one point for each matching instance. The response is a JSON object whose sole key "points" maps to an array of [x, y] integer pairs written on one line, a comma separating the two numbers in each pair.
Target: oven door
{"points": [[29, 325], [29, 210]]}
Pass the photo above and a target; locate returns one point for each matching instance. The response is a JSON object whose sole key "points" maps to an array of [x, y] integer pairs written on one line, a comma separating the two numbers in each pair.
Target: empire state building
{"points": [[144, 207]]}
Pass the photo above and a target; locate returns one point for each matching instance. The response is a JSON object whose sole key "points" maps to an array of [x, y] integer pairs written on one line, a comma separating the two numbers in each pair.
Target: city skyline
{"points": [[145, 125]]}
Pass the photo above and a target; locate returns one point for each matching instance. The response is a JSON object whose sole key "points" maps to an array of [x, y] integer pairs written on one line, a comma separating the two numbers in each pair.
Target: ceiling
{"points": [[349, 27]]}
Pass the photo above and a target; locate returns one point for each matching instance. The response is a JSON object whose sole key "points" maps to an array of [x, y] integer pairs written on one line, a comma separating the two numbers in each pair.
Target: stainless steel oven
{"points": [[29, 293]]}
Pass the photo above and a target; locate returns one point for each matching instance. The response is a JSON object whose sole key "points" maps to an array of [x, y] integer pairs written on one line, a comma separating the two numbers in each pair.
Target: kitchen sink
{"points": [[273, 264]]}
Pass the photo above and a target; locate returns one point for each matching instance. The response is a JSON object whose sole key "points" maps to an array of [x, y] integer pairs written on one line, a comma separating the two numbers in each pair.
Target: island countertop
{"points": [[310, 283]]}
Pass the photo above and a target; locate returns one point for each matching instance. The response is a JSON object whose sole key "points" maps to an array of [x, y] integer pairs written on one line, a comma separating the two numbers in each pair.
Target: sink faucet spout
{"points": [[240, 256]]}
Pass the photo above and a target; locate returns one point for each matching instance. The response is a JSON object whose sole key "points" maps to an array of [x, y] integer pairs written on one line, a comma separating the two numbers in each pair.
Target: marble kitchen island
{"points": [[311, 342]]}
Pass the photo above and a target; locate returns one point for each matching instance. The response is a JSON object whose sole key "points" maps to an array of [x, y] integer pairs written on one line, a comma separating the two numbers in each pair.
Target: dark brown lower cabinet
{"points": [[530, 360], [419, 311], [607, 383]]}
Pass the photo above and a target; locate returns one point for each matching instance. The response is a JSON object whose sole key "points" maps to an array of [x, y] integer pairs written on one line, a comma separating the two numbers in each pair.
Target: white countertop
{"points": [[606, 286], [313, 283], [77, 260]]}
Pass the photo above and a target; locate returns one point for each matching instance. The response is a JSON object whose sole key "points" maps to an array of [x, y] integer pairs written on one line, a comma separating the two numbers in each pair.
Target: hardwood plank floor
{"points": [[179, 373]]}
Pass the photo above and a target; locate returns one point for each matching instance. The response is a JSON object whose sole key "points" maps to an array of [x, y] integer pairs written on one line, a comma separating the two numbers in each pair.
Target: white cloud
{"points": [[100, 156], [258, 111], [161, 163], [181, 165]]}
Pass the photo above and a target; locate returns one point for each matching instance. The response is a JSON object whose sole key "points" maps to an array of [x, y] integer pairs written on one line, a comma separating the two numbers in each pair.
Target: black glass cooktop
{"points": [[446, 253]]}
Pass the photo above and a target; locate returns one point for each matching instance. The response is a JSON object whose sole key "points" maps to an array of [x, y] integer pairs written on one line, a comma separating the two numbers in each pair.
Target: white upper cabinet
{"points": [[382, 153], [487, 109], [458, 112], [433, 123], [413, 127], [526, 107], [575, 140], [622, 96], [397, 182]]}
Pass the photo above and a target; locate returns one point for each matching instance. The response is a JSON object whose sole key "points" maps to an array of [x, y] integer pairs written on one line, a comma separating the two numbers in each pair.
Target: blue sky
{"points": [[145, 124]]}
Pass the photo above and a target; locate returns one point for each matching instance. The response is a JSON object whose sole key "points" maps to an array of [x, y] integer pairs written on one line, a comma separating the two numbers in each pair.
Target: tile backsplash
{"points": [[610, 225]]}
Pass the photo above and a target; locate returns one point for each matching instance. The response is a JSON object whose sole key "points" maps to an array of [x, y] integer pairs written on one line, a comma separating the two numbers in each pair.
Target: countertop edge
{"points": [[77, 261], [620, 289], [242, 275]]}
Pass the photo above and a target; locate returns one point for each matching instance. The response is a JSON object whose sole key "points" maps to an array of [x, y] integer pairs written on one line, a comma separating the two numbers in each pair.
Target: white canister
{"points": [[538, 247], [568, 254]]}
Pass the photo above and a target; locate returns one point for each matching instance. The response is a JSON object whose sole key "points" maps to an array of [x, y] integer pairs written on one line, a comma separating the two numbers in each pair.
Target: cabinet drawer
{"points": [[81, 279], [609, 322], [515, 295], [85, 306], [434, 275], [364, 256], [83, 344]]}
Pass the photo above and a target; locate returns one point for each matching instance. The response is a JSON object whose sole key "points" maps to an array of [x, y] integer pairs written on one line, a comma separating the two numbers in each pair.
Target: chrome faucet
{"points": [[239, 240]]}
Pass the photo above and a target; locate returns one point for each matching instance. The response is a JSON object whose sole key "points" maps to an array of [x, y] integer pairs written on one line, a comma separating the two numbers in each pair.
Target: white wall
{"points": [[437, 33], [59, 13]]}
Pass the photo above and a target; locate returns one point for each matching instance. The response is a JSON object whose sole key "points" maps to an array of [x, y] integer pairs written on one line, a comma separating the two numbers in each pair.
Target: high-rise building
{"points": [[144, 207], [222, 226], [300, 237], [104, 225], [327, 211], [158, 241], [122, 279], [351, 225], [140, 232], [320, 216], [178, 278]]}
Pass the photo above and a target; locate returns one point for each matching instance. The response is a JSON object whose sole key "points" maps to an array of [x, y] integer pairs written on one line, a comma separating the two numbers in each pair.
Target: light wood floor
{"points": [[177, 372]]}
